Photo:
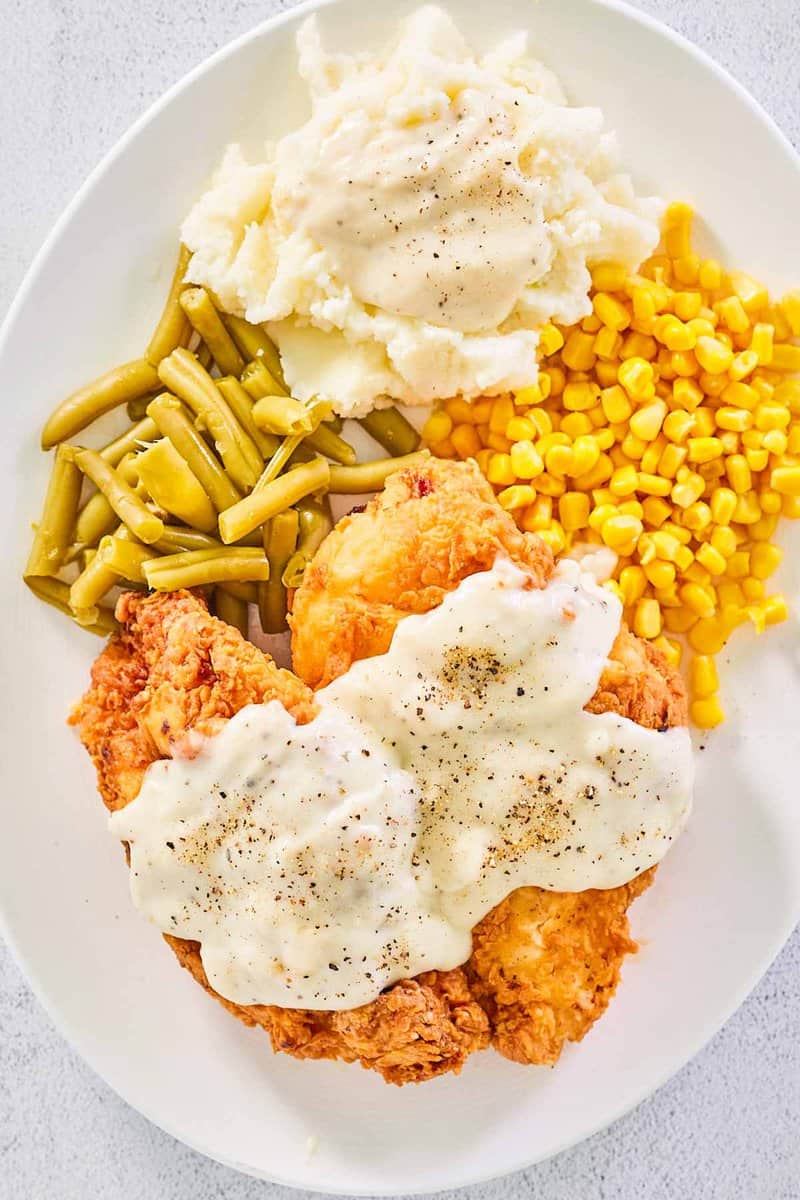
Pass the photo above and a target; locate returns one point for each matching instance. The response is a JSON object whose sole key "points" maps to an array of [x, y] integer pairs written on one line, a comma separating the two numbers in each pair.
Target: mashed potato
{"points": [[433, 213]]}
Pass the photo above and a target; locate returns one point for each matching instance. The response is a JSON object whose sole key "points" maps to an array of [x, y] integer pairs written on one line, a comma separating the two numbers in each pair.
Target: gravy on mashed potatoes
{"points": [[411, 238]]}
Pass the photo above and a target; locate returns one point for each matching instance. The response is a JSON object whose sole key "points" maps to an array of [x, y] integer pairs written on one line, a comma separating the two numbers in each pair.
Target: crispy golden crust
{"points": [[430, 528], [545, 964]]}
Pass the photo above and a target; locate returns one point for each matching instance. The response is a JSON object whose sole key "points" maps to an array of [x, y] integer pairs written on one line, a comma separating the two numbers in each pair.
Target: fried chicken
{"points": [[176, 670], [544, 964]]}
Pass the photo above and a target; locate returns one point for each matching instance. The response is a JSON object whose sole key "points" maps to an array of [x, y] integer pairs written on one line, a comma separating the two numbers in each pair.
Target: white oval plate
{"points": [[725, 900]]}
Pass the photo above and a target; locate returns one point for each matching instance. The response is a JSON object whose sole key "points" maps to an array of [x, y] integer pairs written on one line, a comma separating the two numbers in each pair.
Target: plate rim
{"points": [[779, 939]]}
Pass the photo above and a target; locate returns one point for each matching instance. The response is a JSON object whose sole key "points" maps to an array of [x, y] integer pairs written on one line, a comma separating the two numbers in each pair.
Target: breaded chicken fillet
{"points": [[544, 964]]}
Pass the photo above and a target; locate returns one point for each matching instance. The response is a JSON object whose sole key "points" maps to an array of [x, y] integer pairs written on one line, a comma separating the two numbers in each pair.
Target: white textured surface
{"points": [[77, 73]]}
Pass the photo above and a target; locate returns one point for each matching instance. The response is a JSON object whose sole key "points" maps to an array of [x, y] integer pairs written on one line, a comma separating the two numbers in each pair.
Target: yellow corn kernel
{"points": [[752, 294], [730, 594], [578, 352], [444, 449], [708, 635], [646, 422], [611, 585], [661, 574], [706, 713], [703, 676], [678, 424], [526, 461], [437, 427], [687, 305], [666, 545], [623, 481], [615, 404], [600, 514], [713, 355], [633, 584], [761, 343], [711, 558], [687, 490], [603, 438], [500, 469], [683, 559], [653, 485], [652, 454], [730, 444], [757, 459], [704, 449], [647, 622], [770, 501], [723, 539], [644, 305], [548, 440], [683, 363], [483, 458], [585, 455], [790, 507], [519, 495], [776, 442], [609, 277], [697, 516], [788, 392], [772, 416], [775, 609], [735, 419], [636, 376], [555, 537], [732, 315], [542, 420], [679, 620], [633, 447], [550, 340], [527, 397], [786, 358], [793, 443], [599, 474], [606, 373], [580, 396], [738, 472], [621, 533], [520, 429], [699, 599], [687, 269], [538, 515], [743, 365], [614, 315], [502, 412], [701, 326], [596, 417], [764, 559], [672, 650], [631, 508], [686, 395], [667, 597], [753, 589], [499, 442], [710, 275], [460, 411], [559, 461], [549, 485], [575, 424], [673, 334], [573, 510], [739, 565], [681, 535], [747, 510], [763, 529], [466, 440], [655, 511]]}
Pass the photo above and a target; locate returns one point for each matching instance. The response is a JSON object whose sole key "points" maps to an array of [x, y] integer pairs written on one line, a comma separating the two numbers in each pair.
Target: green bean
{"points": [[232, 610], [183, 374], [371, 476], [204, 356], [171, 483], [95, 519], [241, 406], [282, 415], [273, 498], [199, 308], [55, 529], [280, 539], [111, 390], [143, 524], [248, 592], [56, 593], [280, 458], [176, 538], [391, 430], [335, 422], [196, 568], [94, 582], [145, 430], [173, 327], [137, 409], [327, 442], [256, 344], [315, 523], [125, 557], [258, 380], [171, 418]]}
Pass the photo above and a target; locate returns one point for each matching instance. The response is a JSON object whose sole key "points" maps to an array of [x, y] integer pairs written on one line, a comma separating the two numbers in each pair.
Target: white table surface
{"points": [[76, 73]]}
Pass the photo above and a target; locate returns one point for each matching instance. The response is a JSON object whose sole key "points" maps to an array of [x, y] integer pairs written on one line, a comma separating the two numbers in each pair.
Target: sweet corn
{"points": [[665, 426], [707, 713]]}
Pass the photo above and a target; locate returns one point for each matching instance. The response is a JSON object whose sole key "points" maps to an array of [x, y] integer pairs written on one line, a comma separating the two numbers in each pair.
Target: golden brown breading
{"points": [[431, 527], [545, 964], [174, 670]]}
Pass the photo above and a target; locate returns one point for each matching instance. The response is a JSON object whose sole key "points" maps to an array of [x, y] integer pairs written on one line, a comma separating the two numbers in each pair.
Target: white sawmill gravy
{"points": [[318, 864]]}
